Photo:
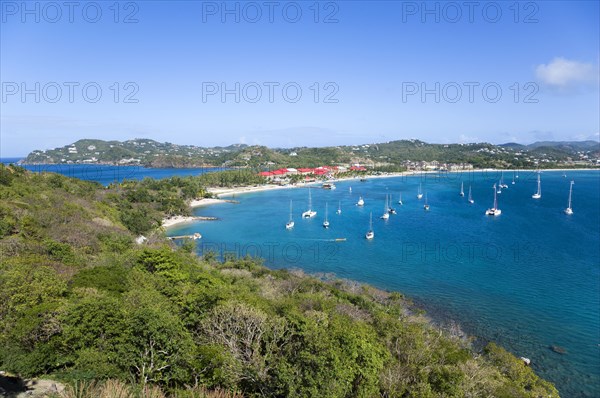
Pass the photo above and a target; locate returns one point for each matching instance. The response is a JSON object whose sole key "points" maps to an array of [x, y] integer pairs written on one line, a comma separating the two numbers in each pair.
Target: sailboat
{"points": [[400, 200], [513, 181], [502, 184], [310, 212], [290, 223], [538, 194], [390, 209], [426, 205], [325, 223], [494, 211], [350, 189], [499, 188], [419, 192], [385, 214], [517, 176], [569, 209], [370, 234], [339, 210], [360, 202], [470, 197], [462, 191]]}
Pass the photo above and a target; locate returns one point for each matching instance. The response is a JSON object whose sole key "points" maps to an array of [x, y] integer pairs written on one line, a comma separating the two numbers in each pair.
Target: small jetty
{"points": [[195, 236]]}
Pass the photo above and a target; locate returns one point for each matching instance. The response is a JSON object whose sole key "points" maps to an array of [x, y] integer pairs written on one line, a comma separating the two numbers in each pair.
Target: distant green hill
{"points": [[393, 154]]}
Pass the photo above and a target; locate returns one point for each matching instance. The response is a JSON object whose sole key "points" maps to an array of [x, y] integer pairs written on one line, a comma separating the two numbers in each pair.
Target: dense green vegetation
{"points": [[81, 302], [389, 154]]}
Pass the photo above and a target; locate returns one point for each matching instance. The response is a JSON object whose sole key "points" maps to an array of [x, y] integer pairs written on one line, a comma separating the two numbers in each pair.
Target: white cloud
{"points": [[563, 73]]}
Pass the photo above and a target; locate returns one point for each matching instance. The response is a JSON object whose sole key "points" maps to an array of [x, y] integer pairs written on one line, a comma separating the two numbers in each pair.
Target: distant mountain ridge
{"points": [[391, 155], [577, 145]]}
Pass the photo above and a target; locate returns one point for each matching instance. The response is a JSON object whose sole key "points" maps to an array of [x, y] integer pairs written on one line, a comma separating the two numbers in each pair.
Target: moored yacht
{"points": [[290, 223], [494, 210], [326, 222], [569, 209], [538, 194], [370, 234], [310, 212]]}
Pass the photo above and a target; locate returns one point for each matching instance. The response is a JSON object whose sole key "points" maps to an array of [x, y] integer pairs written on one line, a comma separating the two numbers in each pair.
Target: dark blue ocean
{"points": [[528, 279], [106, 174]]}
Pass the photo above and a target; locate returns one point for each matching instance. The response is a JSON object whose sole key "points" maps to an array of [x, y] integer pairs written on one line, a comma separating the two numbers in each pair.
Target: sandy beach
{"points": [[224, 192], [169, 222], [206, 202]]}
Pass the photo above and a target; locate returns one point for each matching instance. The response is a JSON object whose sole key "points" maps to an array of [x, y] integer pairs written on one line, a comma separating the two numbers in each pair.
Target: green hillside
{"points": [[402, 153], [81, 302]]}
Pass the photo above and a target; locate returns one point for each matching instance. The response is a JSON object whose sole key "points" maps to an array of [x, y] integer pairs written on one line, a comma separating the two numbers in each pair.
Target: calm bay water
{"points": [[528, 279], [105, 174]]}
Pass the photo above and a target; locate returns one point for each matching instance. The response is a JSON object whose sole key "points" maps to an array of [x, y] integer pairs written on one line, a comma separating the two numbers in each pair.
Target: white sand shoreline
{"points": [[169, 222]]}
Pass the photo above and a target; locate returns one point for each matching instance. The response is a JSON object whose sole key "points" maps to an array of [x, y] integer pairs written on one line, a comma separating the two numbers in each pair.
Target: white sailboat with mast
{"points": [[339, 210], [419, 192], [569, 209], [502, 184], [310, 212], [462, 191], [470, 196], [386, 213], [538, 194], [494, 211], [360, 202], [426, 205], [326, 222], [400, 199], [290, 223], [390, 209], [370, 234]]}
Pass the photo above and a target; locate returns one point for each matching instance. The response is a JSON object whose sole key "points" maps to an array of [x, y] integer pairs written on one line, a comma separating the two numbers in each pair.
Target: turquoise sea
{"points": [[528, 279]]}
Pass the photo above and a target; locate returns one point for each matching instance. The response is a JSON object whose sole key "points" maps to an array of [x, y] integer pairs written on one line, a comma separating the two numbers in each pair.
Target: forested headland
{"points": [[82, 303]]}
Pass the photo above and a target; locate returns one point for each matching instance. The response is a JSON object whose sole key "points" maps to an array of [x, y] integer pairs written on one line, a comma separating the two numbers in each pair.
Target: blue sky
{"points": [[383, 71]]}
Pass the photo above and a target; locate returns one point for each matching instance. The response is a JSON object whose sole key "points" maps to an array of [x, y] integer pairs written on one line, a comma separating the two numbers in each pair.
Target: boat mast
{"points": [[570, 193]]}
